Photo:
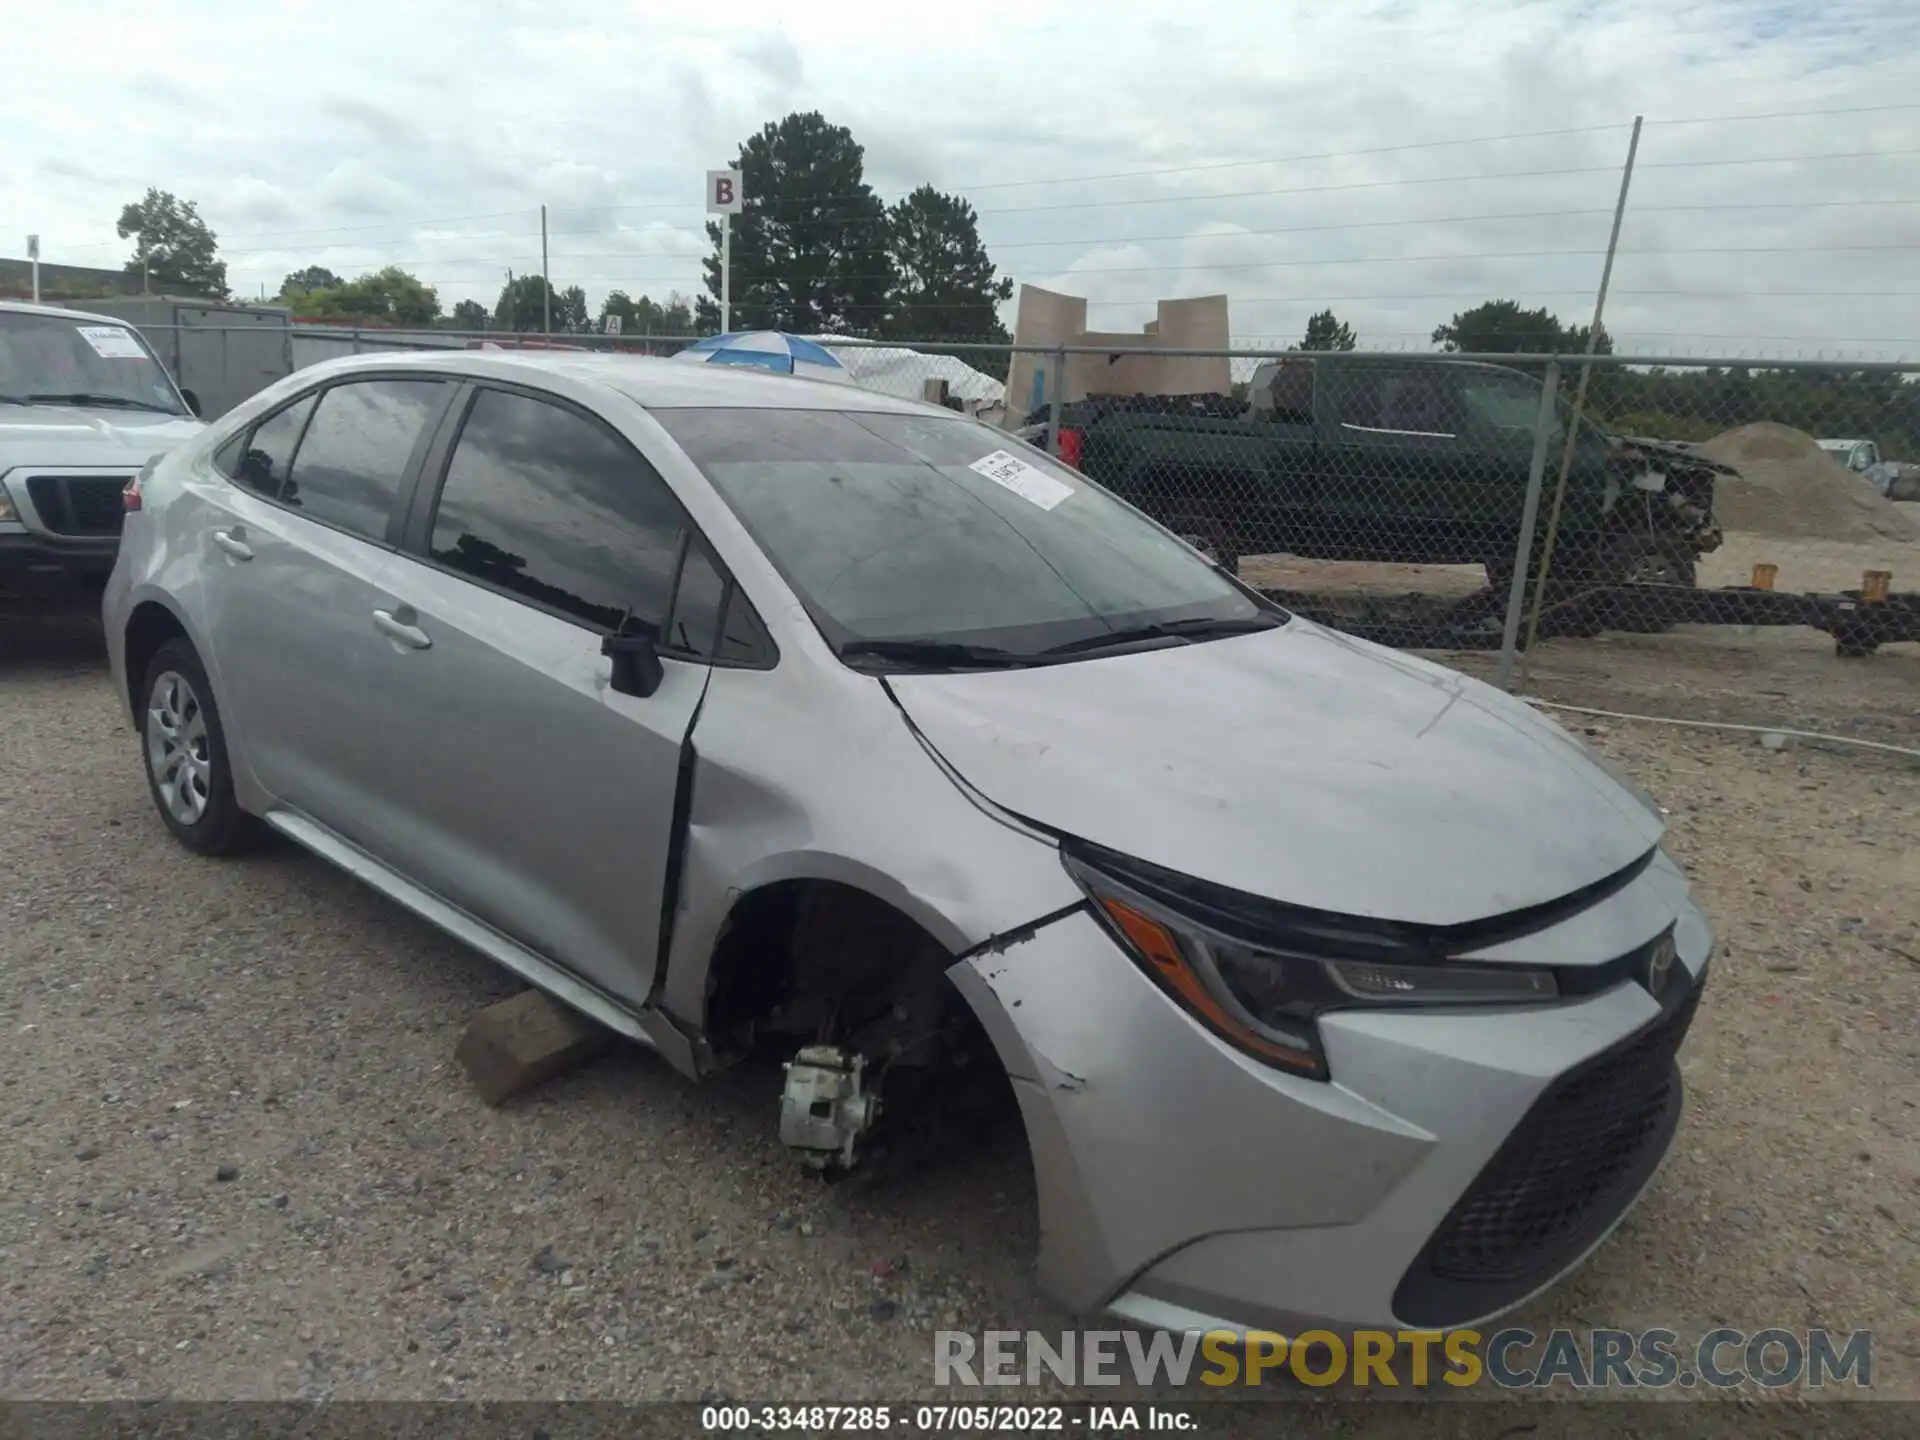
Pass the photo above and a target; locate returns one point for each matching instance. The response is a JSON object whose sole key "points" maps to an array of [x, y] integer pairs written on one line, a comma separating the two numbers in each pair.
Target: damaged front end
{"points": [[1665, 491]]}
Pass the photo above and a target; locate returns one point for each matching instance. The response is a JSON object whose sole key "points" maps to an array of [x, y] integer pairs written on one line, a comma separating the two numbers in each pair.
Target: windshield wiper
{"points": [[942, 654], [83, 397], [1199, 629]]}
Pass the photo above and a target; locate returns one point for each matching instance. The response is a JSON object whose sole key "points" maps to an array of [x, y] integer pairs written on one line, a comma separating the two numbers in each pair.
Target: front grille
{"points": [[1570, 1167], [79, 504]]}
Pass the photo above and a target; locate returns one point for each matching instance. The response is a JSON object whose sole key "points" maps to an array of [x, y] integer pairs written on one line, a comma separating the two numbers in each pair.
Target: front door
{"points": [[1406, 474], [533, 795]]}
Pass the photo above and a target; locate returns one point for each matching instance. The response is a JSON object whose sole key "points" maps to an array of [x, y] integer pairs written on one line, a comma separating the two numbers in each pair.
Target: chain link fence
{"points": [[1698, 539], [1704, 539]]}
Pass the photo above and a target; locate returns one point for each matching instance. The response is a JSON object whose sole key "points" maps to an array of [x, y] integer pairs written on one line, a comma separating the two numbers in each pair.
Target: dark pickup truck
{"points": [[1363, 458]]}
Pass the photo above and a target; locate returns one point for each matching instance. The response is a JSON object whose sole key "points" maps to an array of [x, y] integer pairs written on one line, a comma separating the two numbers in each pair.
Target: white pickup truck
{"points": [[84, 404]]}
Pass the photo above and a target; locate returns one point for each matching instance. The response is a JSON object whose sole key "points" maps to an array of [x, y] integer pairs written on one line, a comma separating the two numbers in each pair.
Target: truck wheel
{"points": [[1643, 560], [1648, 562]]}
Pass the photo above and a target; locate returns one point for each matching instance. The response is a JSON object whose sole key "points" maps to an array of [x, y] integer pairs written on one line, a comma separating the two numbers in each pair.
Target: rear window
{"points": [[355, 451], [918, 527]]}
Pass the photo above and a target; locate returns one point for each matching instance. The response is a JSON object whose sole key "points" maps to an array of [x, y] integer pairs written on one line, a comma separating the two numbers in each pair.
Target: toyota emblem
{"points": [[1659, 966]]}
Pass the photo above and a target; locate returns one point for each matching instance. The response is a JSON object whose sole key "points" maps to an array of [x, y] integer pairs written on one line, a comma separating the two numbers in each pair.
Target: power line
{"points": [[1203, 167], [1203, 265], [1557, 294], [1190, 235], [1423, 145], [1787, 115], [1448, 180], [333, 230]]}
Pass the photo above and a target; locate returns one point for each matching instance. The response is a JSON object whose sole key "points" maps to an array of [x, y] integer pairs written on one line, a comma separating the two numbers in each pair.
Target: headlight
{"points": [[7, 511], [1266, 997]]}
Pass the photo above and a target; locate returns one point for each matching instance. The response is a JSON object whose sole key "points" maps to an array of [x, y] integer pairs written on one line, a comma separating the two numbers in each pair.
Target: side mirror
{"points": [[636, 664], [193, 401]]}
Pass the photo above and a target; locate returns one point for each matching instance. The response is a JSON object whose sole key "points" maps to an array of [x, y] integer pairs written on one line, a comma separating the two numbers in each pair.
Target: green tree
{"points": [[519, 306], [646, 316], [570, 310], [469, 315], [388, 297], [944, 283], [1501, 327], [810, 246], [1326, 331], [314, 277], [172, 247]]}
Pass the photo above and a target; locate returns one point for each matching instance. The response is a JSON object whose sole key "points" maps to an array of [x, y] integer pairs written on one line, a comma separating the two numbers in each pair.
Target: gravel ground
{"points": [[236, 1159]]}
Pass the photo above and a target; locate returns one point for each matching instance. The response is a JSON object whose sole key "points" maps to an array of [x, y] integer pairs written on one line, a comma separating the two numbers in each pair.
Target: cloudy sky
{"points": [[1397, 160]]}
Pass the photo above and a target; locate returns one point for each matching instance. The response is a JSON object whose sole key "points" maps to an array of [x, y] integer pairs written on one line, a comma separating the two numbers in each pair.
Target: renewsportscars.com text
{"points": [[1510, 1359]]}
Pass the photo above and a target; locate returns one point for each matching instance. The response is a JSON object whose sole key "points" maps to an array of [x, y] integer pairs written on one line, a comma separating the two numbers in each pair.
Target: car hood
{"points": [[1298, 764], [74, 435]]}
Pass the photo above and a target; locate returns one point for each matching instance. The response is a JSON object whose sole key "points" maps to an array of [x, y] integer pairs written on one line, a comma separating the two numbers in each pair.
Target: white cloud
{"points": [[354, 135]]}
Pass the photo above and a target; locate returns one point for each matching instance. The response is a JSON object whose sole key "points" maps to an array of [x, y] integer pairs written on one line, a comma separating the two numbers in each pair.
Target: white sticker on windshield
{"points": [[1023, 479], [113, 343]]}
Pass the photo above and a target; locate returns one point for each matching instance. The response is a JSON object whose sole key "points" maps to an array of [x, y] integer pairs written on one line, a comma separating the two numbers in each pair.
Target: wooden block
{"points": [[511, 1047]]}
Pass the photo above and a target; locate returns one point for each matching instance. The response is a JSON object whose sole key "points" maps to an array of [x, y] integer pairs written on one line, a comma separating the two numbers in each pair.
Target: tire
{"points": [[184, 751], [1639, 560], [1643, 560]]}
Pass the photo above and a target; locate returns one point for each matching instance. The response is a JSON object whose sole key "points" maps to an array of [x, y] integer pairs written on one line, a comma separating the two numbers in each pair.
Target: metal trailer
{"points": [[1859, 621]]}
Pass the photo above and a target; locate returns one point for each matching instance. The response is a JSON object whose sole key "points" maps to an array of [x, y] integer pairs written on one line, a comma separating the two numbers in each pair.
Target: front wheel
{"points": [[1646, 560], [1643, 560], [185, 749]]}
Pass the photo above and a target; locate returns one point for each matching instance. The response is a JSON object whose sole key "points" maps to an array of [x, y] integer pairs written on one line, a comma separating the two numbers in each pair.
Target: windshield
{"points": [[920, 528], [54, 360]]}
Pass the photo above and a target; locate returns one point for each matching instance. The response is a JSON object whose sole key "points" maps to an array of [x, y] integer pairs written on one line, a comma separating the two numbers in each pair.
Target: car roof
{"points": [[656, 384], [22, 307]]}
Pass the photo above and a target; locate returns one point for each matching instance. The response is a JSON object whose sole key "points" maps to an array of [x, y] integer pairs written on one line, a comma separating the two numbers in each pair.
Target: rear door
{"points": [[529, 792], [298, 546], [1400, 477]]}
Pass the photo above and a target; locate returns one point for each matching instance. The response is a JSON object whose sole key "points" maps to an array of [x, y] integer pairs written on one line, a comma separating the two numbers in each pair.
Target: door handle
{"points": [[234, 542], [401, 631]]}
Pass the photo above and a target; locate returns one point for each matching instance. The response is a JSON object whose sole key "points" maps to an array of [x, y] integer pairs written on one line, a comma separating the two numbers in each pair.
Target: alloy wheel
{"points": [[179, 754]]}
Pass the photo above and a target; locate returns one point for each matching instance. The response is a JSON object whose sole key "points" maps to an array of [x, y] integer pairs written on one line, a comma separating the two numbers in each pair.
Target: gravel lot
{"points": [[236, 1158]]}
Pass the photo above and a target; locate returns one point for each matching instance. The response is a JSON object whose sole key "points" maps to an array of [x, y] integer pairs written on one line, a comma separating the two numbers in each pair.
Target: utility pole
{"points": [[546, 280], [1579, 400], [509, 299]]}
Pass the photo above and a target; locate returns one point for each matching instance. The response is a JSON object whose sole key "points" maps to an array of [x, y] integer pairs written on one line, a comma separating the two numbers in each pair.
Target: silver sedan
{"points": [[738, 710]]}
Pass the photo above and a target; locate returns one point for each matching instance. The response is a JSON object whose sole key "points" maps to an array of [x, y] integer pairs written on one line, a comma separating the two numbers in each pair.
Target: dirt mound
{"points": [[1789, 487]]}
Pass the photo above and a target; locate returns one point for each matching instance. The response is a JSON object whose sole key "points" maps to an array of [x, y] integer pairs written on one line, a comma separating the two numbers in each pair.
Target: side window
{"points": [[743, 638], [260, 459], [1420, 399], [543, 502], [711, 618], [1289, 392], [697, 604], [349, 465], [1352, 393]]}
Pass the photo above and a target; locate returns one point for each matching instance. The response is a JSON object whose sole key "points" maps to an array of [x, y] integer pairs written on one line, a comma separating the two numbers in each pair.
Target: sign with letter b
{"points": [[724, 193]]}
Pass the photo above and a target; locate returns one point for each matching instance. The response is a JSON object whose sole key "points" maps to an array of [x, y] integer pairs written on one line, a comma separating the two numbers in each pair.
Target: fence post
{"points": [[1529, 517], [356, 339], [1056, 382]]}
